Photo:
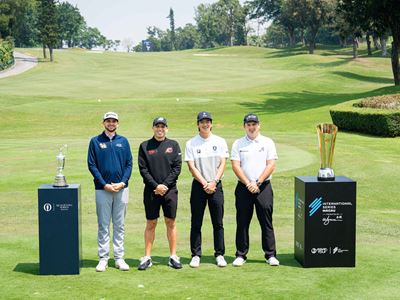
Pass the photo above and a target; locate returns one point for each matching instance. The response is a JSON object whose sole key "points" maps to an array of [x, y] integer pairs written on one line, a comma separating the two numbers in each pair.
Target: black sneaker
{"points": [[145, 263], [174, 262]]}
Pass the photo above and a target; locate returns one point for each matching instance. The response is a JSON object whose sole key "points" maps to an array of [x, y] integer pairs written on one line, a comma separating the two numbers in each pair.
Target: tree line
{"points": [[48, 23], [52, 24], [225, 23]]}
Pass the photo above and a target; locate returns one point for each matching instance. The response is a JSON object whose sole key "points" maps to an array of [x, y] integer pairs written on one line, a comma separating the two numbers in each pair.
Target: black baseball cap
{"points": [[203, 115], [250, 118], [160, 120]]}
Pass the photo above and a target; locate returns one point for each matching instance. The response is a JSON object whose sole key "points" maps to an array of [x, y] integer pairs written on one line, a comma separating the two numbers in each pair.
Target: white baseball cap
{"points": [[110, 115]]}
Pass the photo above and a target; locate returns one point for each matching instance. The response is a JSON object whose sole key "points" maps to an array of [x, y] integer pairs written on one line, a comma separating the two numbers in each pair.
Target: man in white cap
{"points": [[253, 161], [110, 162]]}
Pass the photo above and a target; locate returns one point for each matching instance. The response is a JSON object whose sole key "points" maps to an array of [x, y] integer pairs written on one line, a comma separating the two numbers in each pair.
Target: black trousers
{"points": [[198, 202], [245, 202]]}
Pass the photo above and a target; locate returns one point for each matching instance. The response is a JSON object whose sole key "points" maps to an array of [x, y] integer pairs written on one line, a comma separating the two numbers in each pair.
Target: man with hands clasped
{"points": [[206, 156], [160, 162], [253, 161], [110, 162]]}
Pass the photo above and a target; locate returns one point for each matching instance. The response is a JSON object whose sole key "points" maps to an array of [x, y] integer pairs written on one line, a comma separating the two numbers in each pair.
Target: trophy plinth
{"points": [[326, 141], [59, 180]]}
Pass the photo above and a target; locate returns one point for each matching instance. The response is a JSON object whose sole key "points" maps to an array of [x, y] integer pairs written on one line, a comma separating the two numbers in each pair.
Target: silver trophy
{"points": [[326, 141], [59, 180]]}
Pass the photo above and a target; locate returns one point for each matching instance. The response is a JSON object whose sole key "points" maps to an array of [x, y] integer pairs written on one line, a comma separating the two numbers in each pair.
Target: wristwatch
{"points": [[258, 183], [216, 181]]}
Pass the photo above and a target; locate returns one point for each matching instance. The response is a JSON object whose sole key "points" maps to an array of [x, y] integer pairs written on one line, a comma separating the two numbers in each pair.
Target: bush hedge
{"points": [[6, 54], [350, 117]]}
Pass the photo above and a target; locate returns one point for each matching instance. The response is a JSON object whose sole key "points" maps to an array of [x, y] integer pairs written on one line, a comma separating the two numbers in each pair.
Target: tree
{"points": [[18, 19], [319, 12], [221, 23], [291, 15], [128, 44], [172, 35], [48, 25], [6, 18], [71, 23], [91, 37], [188, 37], [382, 15]]}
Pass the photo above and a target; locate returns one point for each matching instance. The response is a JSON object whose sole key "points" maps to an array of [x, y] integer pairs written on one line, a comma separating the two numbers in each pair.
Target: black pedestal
{"points": [[325, 222], [59, 229]]}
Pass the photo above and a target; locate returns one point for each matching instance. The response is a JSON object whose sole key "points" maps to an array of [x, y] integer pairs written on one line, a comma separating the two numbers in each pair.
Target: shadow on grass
{"points": [[28, 268], [284, 102], [339, 62], [359, 77]]}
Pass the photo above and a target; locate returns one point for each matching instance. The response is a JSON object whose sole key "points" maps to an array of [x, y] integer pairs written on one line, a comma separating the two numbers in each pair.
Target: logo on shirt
{"points": [[103, 145], [215, 148], [261, 150], [198, 151], [169, 150], [151, 152], [119, 145]]}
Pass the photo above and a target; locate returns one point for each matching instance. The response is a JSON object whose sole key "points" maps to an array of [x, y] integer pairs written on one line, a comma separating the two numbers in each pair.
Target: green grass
{"points": [[292, 92]]}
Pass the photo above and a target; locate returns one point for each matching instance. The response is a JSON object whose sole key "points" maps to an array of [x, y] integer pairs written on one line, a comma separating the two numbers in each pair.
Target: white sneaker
{"points": [[102, 265], [272, 261], [195, 262], [121, 264], [239, 261], [221, 262]]}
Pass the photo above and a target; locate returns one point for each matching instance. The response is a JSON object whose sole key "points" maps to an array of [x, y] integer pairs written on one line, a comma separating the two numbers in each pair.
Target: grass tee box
{"points": [[381, 122]]}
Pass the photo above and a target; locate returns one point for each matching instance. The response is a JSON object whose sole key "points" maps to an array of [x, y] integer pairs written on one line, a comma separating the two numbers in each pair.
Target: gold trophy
{"points": [[59, 180], [326, 141]]}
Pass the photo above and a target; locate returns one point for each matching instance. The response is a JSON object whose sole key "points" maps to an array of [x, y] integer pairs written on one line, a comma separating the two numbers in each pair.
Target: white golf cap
{"points": [[110, 115]]}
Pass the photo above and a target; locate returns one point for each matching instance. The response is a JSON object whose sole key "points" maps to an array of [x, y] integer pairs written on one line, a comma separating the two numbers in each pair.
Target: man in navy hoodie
{"points": [[110, 162]]}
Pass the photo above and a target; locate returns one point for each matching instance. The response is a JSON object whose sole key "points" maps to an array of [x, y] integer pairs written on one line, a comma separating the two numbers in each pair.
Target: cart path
{"points": [[23, 63]]}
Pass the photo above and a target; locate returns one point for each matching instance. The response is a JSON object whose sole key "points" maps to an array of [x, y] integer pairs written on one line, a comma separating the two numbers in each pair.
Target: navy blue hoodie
{"points": [[109, 160]]}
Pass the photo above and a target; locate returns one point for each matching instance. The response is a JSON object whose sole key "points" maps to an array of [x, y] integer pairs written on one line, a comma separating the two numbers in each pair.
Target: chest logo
{"points": [[215, 148], [151, 152], [169, 150], [103, 145], [261, 150], [198, 151], [119, 145]]}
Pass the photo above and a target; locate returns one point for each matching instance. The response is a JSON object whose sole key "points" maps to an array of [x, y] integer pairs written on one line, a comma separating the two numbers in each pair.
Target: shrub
{"points": [[385, 101], [350, 116], [6, 54]]}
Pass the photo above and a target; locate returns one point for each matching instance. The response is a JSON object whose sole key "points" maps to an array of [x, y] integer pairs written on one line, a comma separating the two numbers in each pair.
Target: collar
{"points": [[256, 140], [109, 137], [206, 139]]}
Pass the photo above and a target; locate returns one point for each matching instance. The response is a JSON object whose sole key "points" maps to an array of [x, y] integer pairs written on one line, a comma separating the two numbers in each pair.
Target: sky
{"points": [[122, 19]]}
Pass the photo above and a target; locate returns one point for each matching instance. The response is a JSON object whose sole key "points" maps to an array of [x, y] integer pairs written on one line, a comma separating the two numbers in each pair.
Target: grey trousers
{"points": [[111, 206]]}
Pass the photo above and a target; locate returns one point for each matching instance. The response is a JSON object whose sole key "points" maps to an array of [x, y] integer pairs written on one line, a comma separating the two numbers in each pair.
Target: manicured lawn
{"points": [[63, 102]]}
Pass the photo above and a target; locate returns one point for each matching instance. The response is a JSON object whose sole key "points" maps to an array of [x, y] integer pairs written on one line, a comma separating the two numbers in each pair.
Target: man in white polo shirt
{"points": [[206, 156], [253, 161]]}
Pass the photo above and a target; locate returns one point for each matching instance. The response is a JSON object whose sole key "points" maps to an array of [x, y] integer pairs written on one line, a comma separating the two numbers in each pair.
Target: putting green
{"points": [[291, 157]]}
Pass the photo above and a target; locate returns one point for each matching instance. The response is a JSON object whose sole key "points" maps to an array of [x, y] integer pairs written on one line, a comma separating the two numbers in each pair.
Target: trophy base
{"points": [[60, 181], [326, 174]]}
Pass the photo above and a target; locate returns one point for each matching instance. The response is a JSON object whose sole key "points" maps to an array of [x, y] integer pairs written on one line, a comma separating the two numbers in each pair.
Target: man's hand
{"points": [[210, 187], [110, 188], [118, 186], [253, 187], [161, 190]]}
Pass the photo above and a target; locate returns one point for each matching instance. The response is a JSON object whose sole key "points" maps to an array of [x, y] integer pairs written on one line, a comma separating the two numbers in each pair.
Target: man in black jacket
{"points": [[160, 164]]}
